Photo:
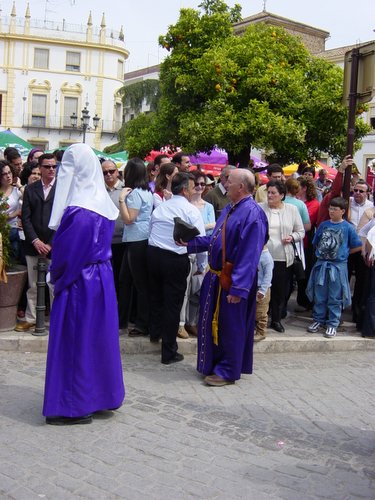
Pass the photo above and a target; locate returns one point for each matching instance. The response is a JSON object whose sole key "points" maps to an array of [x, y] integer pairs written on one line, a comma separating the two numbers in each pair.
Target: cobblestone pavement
{"points": [[301, 427]]}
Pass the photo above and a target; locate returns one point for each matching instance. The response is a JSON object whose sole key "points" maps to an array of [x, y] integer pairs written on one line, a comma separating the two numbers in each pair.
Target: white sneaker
{"points": [[314, 327], [330, 332]]}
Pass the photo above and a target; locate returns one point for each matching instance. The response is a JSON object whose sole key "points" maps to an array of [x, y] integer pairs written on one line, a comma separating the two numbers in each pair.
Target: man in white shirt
{"points": [[169, 265], [358, 204]]}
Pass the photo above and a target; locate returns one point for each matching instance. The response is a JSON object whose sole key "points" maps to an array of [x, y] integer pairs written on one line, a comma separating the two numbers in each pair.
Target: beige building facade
{"points": [[51, 72]]}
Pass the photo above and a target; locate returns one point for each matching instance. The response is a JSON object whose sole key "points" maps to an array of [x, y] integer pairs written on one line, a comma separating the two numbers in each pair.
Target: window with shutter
{"points": [[41, 58], [120, 69], [70, 107], [39, 107], [73, 61]]}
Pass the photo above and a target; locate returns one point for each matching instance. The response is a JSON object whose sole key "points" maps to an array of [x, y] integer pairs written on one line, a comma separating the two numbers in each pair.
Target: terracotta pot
{"points": [[10, 294]]}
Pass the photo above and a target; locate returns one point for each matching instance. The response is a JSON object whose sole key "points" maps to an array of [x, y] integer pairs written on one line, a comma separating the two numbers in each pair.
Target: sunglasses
{"points": [[49, 166], [203, 184], [359, 190], [109, 172]]}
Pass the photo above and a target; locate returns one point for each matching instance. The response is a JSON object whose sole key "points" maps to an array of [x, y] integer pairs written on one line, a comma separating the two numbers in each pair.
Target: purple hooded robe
{"points": [[84, 372]]}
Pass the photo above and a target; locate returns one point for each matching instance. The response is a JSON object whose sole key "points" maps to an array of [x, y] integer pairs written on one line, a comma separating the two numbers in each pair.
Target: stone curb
{"points": [[295, 341]]}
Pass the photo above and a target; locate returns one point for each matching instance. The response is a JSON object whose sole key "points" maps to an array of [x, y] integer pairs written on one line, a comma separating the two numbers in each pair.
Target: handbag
{"points": [[298, 269], [226, 276]]}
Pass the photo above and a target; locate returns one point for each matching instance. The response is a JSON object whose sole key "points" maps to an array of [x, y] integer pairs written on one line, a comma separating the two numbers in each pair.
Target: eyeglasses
{"points": [[49, 166], [109, 172], [359, 190], [202, 184], [6, 173]]}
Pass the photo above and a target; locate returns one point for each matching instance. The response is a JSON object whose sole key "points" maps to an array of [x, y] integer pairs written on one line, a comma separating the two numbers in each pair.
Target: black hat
{"points": [[184, 231]]}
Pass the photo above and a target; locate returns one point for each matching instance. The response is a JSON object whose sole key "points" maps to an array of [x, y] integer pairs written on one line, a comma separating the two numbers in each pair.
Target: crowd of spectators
{"points": [[304, 214]]}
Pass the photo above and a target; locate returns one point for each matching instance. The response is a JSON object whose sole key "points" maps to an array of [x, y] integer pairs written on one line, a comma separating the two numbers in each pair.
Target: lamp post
{"points": [[85, 121]]}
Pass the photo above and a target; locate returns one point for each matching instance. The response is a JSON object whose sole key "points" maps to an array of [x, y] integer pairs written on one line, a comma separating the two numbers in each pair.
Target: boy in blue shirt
{"points": [[328, 286]]}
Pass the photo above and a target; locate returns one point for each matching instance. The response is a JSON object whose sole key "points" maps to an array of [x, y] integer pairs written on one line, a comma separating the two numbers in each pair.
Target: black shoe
{"points": [[134, 332], [277, 326], [154, 340], [178, 357], [87, 419]]}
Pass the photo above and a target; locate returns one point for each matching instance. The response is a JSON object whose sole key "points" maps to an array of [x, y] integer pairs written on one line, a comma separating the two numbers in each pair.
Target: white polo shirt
{"points": [[356, 211], [162, 223]]}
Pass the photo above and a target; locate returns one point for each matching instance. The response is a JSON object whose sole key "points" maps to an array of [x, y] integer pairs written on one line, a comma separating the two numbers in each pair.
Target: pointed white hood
{"points": [[80, 183]]}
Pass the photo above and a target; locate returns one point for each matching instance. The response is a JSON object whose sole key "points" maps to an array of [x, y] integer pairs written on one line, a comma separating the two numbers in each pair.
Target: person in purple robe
{"points": [[227, 310], [84, 371]]}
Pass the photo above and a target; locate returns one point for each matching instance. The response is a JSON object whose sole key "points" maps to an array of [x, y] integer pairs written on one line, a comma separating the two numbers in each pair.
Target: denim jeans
{"points": [[328, 302], [15, 244]]}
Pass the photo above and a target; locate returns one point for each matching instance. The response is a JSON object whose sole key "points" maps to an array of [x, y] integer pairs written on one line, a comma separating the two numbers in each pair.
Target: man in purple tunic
{"points": [[84, 372], [227, 318]]}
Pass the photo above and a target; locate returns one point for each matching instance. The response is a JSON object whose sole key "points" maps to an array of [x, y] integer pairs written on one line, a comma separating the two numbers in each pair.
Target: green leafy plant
{"points": [[135, 93]]}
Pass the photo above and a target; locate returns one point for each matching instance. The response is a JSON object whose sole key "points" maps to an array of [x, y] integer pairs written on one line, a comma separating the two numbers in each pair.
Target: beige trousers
{"points": [[261, 315]]}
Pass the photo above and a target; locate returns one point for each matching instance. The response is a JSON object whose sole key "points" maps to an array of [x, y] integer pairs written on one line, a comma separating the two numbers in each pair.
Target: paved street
{"points": [[301, 427]]}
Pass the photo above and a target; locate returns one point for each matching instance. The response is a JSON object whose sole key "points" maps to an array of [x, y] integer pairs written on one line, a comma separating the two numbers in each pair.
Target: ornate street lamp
{"points": [[85, 121]]}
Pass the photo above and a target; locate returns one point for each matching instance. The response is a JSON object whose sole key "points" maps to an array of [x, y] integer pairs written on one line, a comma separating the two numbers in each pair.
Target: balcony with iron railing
{"points": [[64, 123]]}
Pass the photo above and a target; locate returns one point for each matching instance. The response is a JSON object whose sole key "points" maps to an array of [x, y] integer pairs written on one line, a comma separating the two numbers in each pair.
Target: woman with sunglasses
{"points": [[206, 209], [190, 309]]}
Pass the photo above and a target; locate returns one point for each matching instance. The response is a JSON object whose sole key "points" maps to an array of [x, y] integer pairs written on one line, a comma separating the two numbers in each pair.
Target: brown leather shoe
{"points": [[216, 381], [23, 326], [258, 337], [182, 333], [192, 330]]}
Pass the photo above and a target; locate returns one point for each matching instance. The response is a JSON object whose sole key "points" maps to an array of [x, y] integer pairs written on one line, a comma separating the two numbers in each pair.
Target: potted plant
{"points": [[12, 276]]}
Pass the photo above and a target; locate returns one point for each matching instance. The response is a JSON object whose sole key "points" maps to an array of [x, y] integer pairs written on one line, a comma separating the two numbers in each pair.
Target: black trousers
{"points": [[368, 318], [168, 272], [117, 255], [281, 279], [134, 272], [357, 266]]}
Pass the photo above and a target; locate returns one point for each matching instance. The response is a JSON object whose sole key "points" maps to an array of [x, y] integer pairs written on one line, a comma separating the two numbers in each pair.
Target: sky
{"points": [[144, 20]]}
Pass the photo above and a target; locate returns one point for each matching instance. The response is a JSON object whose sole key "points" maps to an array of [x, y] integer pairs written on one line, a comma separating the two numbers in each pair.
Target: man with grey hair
{"points": [[218, 195], [228, 293], [169, 265], [114, 187]]}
